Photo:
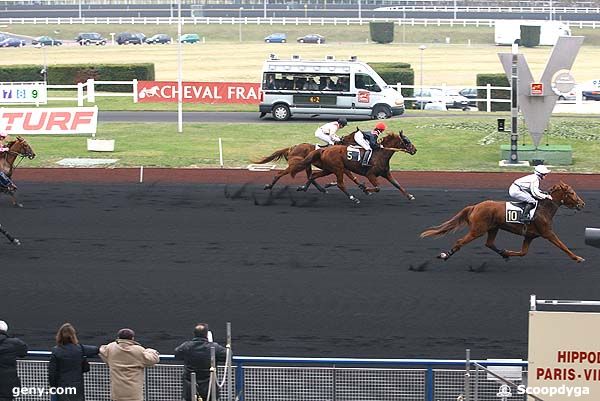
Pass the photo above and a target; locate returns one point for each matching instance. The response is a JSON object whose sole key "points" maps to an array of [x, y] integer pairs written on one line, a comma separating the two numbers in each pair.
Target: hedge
{"points": [[530, 35], [494, 80], [382, 32], [392, 73], [71, 74]]}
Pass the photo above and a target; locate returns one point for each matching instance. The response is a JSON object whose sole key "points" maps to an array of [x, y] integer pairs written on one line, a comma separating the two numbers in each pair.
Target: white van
{"points": [[326, 87]]}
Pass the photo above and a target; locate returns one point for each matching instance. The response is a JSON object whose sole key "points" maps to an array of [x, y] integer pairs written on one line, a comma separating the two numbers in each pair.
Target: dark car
{"points": [[46, 41], [159, 38], [125, 38], [470, 93], [311, 38], [89, 38], [591, 94], [12, 42]]}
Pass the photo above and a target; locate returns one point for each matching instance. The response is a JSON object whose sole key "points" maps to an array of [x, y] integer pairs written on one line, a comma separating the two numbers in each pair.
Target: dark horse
{"points": [[334, 160], [489, 217], [17, 148], [295, 154]]}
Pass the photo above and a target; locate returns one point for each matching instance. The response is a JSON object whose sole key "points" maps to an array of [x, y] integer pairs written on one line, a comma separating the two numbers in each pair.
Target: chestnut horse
{"points": [[490, 216], [17, 148], [334, 160], [295, 154]]}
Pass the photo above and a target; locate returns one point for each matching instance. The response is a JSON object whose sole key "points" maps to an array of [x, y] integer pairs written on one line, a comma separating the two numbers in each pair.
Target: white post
{"points": [[179, 73], [265, 9], [240, 22], [79, 94], [141, 174], [91, 91], [135, 90], [422, 48], [488, 98], [221, 152]]}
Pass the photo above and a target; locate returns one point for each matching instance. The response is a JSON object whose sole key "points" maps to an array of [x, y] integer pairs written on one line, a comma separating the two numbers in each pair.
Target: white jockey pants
{"points": [[517, 193], [323, 136], [362, 142]]}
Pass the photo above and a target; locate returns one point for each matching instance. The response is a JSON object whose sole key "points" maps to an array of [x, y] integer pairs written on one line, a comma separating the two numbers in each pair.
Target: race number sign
{"points": [[23, 93], [198, 92], [564, 355], [64, 120], [537, 89]]}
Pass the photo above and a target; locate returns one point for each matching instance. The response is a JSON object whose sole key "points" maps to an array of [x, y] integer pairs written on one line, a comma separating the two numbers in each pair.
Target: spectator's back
{"points": [[10, 349]]}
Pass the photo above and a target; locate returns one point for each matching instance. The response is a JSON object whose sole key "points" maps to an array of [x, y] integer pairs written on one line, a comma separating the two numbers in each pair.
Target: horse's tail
{"points": [[277, 155], [455, 223], [307, 161]]}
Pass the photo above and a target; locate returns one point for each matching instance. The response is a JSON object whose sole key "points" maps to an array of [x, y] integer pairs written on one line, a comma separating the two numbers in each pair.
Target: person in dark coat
{"points": [[11, 348], [196, 358], [65, 368]]}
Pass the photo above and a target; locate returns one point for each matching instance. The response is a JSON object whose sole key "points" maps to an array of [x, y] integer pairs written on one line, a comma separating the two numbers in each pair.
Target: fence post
{"points": [[467, 395], [239, 381], [79, 94], [135, 90], [488, 98], [193, 386], [429, 384], [91, 91]]}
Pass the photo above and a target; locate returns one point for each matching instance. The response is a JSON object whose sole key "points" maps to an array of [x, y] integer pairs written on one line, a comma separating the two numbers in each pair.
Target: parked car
{"points": [[569, 96], [88, 38], [425, 96], [455, 100], [12, 42], [125, 38], [470, 93], [276, 38], [46, 41], [311, 38], [189, 38], [591, 94], [159, 38]]}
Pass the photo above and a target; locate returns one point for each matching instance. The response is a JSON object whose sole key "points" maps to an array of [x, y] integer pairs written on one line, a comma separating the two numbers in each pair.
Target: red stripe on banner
{"points": [[199, 92]]}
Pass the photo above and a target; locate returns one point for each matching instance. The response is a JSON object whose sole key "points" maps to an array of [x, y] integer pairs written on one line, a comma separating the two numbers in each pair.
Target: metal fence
{"points": [[302, 379]]}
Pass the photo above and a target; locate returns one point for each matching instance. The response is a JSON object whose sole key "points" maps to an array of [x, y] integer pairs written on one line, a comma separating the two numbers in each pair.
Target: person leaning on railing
{"points": [[66, 365], [11, 348], [127, 360], [196, 358]]}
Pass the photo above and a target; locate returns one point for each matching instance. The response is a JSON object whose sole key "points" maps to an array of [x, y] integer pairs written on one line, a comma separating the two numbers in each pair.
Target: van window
{"points": [[364, 81], [299, 81]]}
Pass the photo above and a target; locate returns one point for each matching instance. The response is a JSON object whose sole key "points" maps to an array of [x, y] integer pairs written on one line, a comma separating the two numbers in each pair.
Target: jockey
{"points": [[368, 141], [327, 132], [527, 189], [3, 136], [5, 180]]}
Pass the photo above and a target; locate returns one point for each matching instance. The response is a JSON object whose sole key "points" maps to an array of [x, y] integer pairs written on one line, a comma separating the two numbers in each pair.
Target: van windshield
{"points": [[365, 81]]}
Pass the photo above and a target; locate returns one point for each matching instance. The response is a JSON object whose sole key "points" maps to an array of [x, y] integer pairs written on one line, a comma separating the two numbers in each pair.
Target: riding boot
{"points": [[366, 158], [525, 219]]}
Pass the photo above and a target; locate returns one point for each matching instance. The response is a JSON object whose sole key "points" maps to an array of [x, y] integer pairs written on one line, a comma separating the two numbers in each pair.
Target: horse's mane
{"points": [[10, 143]]}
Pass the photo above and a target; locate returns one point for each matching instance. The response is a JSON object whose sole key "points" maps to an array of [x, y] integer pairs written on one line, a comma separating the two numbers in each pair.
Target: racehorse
{"points": [[295, 154], [334, 160], [17, 148], [490, 216]]}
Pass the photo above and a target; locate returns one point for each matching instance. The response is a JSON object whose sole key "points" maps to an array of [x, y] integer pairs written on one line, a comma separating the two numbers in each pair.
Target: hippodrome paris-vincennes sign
{"points": [[537, 107]]}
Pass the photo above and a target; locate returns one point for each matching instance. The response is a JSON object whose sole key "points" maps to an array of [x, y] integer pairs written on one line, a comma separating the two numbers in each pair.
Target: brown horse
{"points": [[334, 160], [489, 217], [294, 155], [17, 148]]}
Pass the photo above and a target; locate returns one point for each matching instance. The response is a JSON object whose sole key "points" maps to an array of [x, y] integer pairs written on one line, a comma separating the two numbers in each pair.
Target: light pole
{"points": [[179, 72], [240, 18], [80, 14], [265, 9], [422, 48], [551, 16]]}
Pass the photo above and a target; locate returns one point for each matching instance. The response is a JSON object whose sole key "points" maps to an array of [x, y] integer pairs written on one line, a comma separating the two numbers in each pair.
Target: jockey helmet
{"points": [[3, 135], [380, 127], [541, 170], [342, 122]]}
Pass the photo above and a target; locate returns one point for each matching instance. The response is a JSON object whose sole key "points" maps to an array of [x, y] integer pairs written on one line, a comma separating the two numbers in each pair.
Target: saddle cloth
{"points": [[354, 153], [514, 211]]}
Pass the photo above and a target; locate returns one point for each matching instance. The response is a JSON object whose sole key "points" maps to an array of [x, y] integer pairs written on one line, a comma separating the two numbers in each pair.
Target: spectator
{"points": [[343, 84], [126, 360], [196, 358], [11, 348], [311, 85], [271, 83], [65, 368]]}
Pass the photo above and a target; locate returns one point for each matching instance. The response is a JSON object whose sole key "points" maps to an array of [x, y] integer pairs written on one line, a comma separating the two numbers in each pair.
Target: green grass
{"points": [[444, 144]]}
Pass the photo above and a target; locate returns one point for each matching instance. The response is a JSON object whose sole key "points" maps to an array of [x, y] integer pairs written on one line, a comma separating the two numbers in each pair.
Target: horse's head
{"points": [[21, 147], [565, 195], [399, 141]]}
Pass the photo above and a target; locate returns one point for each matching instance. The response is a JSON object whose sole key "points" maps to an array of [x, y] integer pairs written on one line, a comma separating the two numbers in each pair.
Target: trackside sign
{"points": [[63, 120], [198, 92], [564, 356]]}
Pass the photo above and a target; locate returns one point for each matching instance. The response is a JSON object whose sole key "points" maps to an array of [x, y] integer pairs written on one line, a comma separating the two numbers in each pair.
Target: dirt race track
{"points": [[297, 274]]}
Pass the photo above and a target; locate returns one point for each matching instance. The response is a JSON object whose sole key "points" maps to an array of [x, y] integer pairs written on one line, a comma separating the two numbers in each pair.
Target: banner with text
{"points": [[564, 355], [23, 93], [60, 120], [199, 92]]}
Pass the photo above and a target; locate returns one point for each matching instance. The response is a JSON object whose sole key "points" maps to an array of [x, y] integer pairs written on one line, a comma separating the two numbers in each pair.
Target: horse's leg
{"points": [[395, 183], [552, 237], [277, 177], [311, 180], [474, 233], [9, 237], [15, 202], [340, 184], [524, 248], [362, 186], [373, 180], [490, 243]]}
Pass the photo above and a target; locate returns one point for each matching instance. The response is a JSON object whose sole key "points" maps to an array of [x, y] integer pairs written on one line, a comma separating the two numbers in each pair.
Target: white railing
{"points": [[87, 91], [266, 21]]}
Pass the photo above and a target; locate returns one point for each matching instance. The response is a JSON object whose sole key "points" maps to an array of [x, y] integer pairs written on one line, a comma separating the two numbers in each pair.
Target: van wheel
{"points": [[381, 112], [281, 112]]}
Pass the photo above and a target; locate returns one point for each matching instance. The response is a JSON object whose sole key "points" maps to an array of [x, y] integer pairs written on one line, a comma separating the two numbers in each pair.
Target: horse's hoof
{"points": [[268, 186], [19, 205], [580, 259], [444, 256], [411, 197], [16, 242], [354, 199], [503, 254], [301, 188]]}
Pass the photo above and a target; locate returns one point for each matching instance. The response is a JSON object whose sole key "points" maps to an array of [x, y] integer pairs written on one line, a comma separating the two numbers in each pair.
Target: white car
{"points": [[431, 98]]}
